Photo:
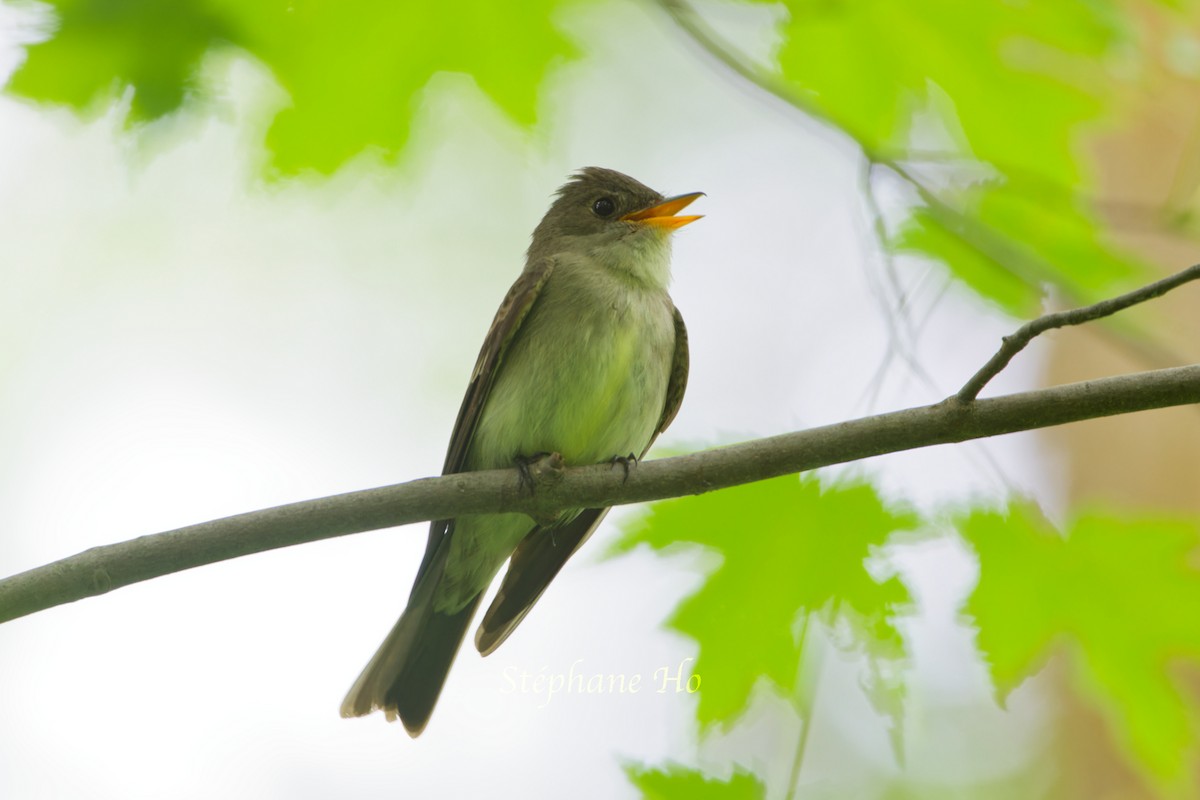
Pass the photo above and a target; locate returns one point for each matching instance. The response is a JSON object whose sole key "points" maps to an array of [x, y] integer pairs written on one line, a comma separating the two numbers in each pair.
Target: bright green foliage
{"points": [[353, 69], [1055, 240], [1123, 594], [1006, 247], [686, 784], [101, 46], [943, 236], [1011, 85], [1019, 77], [789, 551]]}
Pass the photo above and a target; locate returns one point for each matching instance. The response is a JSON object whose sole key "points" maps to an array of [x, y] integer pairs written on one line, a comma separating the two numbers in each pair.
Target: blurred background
{"points": [[247, 263]]}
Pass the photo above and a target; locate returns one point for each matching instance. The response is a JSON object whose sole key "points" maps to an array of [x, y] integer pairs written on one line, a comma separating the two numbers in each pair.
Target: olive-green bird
{"points": [[587, 357]]}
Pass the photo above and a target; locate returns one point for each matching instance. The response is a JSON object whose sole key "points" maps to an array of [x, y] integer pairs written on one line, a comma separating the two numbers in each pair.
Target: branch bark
{"points": [[102, 569]]}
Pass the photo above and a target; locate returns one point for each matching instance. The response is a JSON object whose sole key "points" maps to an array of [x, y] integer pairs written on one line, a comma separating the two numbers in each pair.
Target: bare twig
{"points": [[1016, 342], [809, 700], [101, 569], [690, 23]]}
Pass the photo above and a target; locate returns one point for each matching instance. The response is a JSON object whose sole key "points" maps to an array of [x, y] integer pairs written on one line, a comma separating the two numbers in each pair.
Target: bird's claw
{"points": [[536, 467], [625, 461]]}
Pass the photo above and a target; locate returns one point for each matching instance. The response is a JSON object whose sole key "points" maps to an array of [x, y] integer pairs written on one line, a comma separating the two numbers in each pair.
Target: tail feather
{"points": [[535, 562], [406, 674]]}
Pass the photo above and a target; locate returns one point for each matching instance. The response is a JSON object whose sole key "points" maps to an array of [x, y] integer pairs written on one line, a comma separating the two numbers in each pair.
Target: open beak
{"points": [[663, 214]]}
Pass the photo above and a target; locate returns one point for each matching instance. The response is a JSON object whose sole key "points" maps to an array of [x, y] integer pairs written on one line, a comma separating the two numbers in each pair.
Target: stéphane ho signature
{"points": [[546, 683]]}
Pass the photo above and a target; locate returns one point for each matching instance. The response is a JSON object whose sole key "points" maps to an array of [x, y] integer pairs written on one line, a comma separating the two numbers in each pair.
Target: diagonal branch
{"points": [[101, 569], [1016, 342]]}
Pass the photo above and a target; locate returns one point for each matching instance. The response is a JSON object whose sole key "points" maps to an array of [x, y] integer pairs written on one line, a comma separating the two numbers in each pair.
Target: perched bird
{"points": [[588, 358]]}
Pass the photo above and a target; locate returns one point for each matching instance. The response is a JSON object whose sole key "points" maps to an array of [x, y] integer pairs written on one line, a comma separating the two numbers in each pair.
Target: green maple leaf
{"points": [[1006, 248], [1015, 80], [790, 550], [1122, 594], [1013, 85], [354, 69], [99, 48]]}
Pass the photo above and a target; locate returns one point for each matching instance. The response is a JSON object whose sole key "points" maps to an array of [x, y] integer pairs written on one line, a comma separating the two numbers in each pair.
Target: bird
{"points": [[587, 358]]}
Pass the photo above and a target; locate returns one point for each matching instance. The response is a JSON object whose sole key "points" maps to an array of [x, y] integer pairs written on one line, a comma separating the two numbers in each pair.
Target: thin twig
{"points": [[101, 569], [806, 722], [814, 654], [1125, 214], [1016, 342], [902, 339], [691, 24]]}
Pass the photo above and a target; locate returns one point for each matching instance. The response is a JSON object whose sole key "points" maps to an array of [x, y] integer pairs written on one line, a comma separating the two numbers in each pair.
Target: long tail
{"points": [[406, 674]]}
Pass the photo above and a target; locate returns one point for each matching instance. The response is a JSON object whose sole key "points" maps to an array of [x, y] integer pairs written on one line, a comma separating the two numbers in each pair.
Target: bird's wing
{"points": [[541, 554], [677, 383], [512, 312]]}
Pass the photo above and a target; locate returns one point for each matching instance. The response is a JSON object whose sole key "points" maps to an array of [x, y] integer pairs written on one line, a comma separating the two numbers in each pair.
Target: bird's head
{"points": [[615, 221]]}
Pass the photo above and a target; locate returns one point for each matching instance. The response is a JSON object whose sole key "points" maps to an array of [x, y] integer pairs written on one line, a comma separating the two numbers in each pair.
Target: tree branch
{"points": [[1015, 343], [102, 569]]}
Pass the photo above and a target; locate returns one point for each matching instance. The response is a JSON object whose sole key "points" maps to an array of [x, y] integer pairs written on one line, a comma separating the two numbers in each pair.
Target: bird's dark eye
{"points": [[604, 207]]}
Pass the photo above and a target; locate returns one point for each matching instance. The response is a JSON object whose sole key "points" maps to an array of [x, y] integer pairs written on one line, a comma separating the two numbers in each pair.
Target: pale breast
{"points": [[585, 377]]}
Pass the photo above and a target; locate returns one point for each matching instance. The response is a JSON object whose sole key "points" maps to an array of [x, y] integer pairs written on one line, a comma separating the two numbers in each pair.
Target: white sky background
{"points": [[182, 342]]}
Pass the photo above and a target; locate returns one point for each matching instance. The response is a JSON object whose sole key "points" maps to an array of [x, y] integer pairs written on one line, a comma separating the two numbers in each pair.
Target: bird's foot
{"points": [[537, 467], [625, 461]]}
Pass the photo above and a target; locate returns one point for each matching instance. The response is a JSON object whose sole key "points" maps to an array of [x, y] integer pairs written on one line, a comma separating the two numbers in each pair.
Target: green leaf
{"points": [[354, 69], [790, 550], [675, 781], [1006, 247], [1121, 593], [1019, 77], [1058, 241], [1013, 86], [941, 237], [101, 47]]}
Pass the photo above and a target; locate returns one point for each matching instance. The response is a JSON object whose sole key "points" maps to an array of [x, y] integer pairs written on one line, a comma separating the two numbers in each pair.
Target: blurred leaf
{"points": [[789, 551], [1019, 77], [100, 47], [1011, 85], [1007, 248], [353, 69], [1121, 592], [941, 237], [676, 781], [1058, 241]]}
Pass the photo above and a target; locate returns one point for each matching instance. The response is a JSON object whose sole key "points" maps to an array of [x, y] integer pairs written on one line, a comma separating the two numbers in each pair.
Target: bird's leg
{"points": [[625, 461], [537, 467]]}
